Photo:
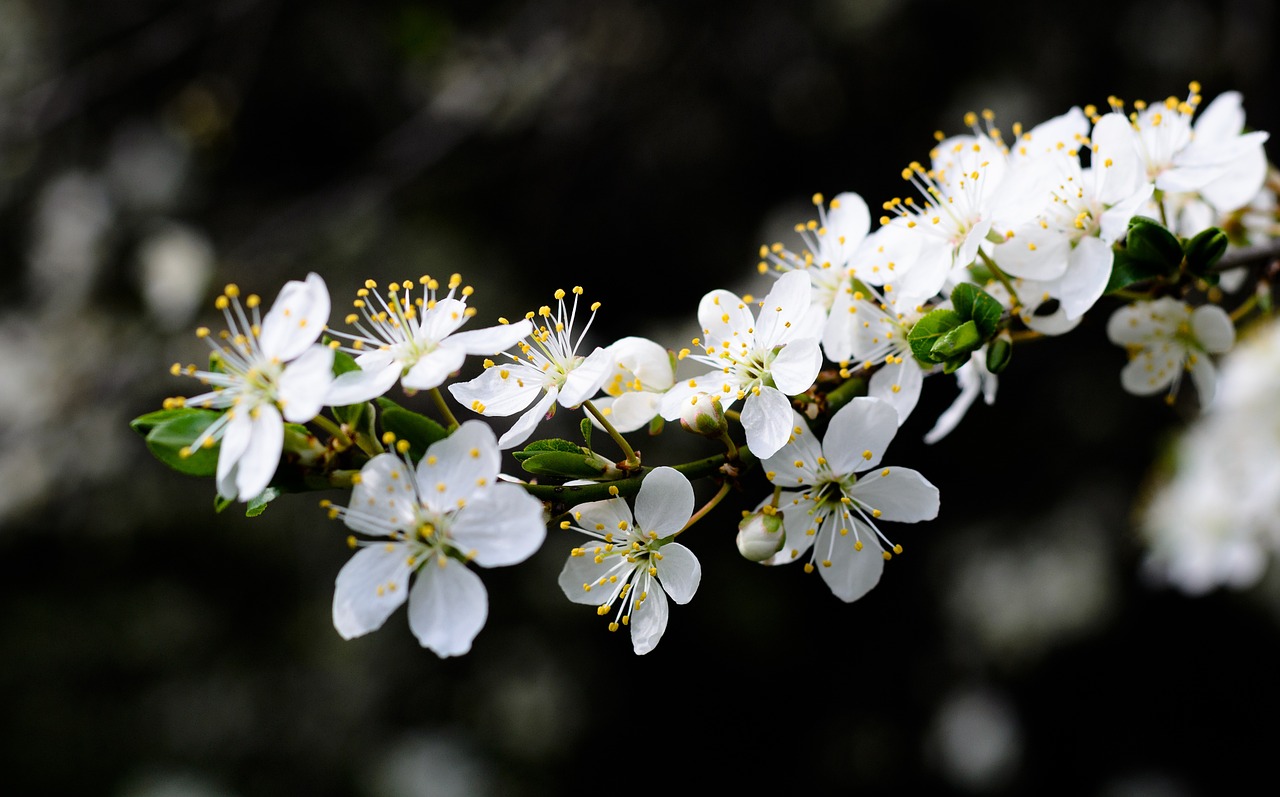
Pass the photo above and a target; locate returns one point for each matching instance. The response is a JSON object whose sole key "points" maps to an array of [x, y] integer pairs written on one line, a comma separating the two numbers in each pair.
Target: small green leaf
{"points": [[169, 438], [259, 504], [928, 329], [584, 426], [1147, 240], [148, 421], [220, 503], [408, 425], [1127, 270], [550, 444], [959, 340], [999, 352], [975, 304], [1204, 250], [563, 464], [343, 362], [353, 415]]}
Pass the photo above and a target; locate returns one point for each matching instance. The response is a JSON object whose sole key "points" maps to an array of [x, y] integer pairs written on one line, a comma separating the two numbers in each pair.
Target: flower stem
{"points": [[441, 405], [335, 431], [710, 505], [1000, 275], [632, 459]]}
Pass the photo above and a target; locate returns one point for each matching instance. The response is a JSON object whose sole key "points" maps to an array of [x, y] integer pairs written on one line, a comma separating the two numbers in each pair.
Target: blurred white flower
{"points": [[1216, 520]]}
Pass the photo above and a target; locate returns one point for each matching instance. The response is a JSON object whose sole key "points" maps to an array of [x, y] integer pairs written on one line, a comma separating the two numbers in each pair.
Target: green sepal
{"points": [[999, 352], [1147, 240], [408, 425], [928, 330], [564, 464], [656, 425], [356, 416], [178, 430], [1204, 250], [220, 503], [544, 446], [952, 365], [584, 427], [958, 340], [259, 503], [978, 306]]}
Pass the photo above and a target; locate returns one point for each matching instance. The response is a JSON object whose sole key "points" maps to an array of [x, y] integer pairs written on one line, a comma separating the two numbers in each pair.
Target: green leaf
{"points": [[148, 421], [563, 464], [999, 353], [343, 362], [550, 444], [167, 439], [1127, 270], [259, 504], [959, 340], [1204, 250], [928, 329], [220, 503], [975, 304], [584, 427], [1148, 241], [354, 415], [408, 425]]}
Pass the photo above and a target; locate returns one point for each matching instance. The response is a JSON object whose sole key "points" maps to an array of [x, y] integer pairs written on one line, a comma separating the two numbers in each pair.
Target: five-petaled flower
{"points": [[760, 361], [413, 340], [431, 521], [634, 561], [1165, 337], [834, 492], [550, 366], [267, 370]]}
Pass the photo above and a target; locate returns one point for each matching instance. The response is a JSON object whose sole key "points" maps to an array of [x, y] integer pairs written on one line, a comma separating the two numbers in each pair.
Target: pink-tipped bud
{"points": [[703, 415], [760, 535]]}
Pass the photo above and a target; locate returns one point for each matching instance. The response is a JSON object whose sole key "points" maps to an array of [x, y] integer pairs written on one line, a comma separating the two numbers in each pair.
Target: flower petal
{"points": [[296, 318], [435, 367], [457, 467], [586, 378], [305, 383], [679, 571], [502, 526], [492, 340], [766, 419], [447, 607], [369, 587], [354, 387], [665, 502], [858, 435], [384, 500], [851, 573], [900, 494], [258, 464], [649, 622]]}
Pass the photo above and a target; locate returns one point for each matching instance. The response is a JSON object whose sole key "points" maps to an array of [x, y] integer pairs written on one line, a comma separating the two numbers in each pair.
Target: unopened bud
{"points": [[703, 415], [760, 535]]}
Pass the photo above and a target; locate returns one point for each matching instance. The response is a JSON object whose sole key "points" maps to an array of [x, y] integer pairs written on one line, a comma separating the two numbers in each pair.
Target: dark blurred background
{"points": [[152, 150]]}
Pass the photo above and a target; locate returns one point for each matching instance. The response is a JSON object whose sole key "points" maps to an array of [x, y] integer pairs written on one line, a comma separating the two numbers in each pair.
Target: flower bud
{"points": [[702, 414], [760, 534]]}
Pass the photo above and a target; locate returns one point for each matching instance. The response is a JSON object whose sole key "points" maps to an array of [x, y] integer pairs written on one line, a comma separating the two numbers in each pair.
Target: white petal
{"points": [[492, 340], [442, 320], [235, 441], [852, 573], [502, 526], [612, 515], [384, 500], [649, 622], [258, 464], [586, 378], [1087, 275], [644, 359], [354, 387], [370, 586], [580, 574], [784, 310], [796, 366], [1205, 377], [1212, 328], [970, 387], [900, 384], [503, 389], [1146, 373], [447, 607], [434, 368], [665, 502], [797, 522], [296, 318], [725, 318], [766, 419], [305, 384], [863, 426], [526, 423], [459, 466], [901, 494], [1034, 253], [631, 410], [679, 571]]}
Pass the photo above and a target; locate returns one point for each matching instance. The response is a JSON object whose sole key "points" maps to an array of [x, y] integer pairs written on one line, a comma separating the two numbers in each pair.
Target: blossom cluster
{"points": [[999, 239]]}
